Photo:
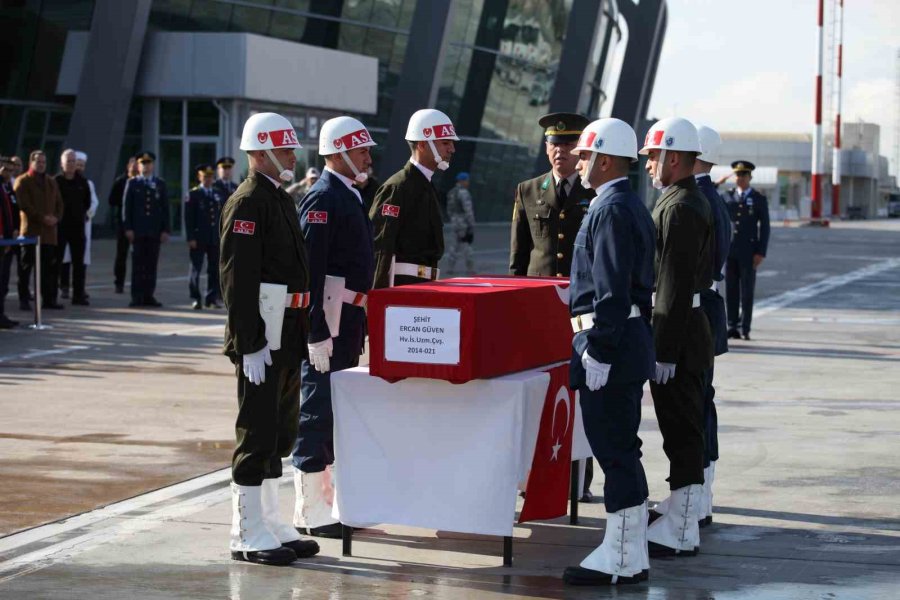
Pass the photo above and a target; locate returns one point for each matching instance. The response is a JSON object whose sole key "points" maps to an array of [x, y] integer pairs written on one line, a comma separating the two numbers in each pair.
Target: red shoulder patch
{"points": [[317, 216], [245, 227], [390, 210]]}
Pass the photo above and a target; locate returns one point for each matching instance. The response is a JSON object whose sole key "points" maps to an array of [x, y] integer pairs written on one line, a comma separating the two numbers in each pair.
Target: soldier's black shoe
{"points": [[733, 334], [303, 548], [747, 336], [653, 515], [331, 531], [52, 305], [278, 557], [135, 304], [120, 289], [660, 551], [196, 305], [705, 521], [582, 576], [152, 302], [80, 301], [587, 497]]}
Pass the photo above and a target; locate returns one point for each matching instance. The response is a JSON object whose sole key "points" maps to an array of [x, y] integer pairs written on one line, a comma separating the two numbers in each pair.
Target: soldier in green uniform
{"points": [[682, 337], [264, 273], [548, 209], [547, 214], [406, 214]]}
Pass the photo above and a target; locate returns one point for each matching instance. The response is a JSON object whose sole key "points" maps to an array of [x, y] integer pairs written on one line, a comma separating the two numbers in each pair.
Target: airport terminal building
{"points": [[179, 77]]}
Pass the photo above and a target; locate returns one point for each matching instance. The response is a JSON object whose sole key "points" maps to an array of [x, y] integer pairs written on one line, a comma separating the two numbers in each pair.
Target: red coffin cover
{"points": [[507, 324]]}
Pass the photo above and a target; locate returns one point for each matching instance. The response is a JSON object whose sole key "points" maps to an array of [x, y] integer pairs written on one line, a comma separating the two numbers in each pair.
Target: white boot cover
{"points": [[272, 515], [645, 520], [709, 478], [662, 507], [248, 528], [623, 547], [315, 497], [703, 504], [678, 528]]}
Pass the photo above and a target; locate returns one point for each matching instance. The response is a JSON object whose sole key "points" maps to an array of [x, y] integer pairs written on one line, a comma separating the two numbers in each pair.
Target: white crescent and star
{"points": [[561, 396]]}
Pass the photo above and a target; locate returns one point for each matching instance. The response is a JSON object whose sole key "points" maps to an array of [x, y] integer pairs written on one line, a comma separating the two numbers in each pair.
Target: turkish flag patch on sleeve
{"points": [[317, 216], [245, 227], [390, 210]]}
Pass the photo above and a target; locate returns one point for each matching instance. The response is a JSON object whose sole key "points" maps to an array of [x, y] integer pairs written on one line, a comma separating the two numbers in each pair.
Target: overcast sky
{"points": [[750, 65]]}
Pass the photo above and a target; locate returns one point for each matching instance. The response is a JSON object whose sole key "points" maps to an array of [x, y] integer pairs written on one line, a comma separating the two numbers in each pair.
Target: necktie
{"points": [[561, 192]]}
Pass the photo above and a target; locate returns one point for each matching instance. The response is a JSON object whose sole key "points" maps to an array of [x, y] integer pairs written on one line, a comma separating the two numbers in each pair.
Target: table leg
{"points": [[347, 539], [573, 494], [507, 551]]}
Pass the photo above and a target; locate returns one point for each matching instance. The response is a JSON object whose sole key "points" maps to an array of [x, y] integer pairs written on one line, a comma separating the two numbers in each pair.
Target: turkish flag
{"points": [[547, 492]]}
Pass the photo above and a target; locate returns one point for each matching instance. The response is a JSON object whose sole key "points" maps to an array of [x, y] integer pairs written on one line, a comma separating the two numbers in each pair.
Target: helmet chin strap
{"points": [[358, 175], [586, 178], [657, 177], [442, 164], [286, 175]]}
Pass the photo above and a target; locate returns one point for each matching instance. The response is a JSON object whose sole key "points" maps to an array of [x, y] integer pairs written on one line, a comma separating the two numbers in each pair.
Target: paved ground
{"points": [[114, 403]]}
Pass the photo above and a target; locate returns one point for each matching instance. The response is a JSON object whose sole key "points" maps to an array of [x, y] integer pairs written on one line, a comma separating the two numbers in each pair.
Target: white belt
{"points": [[354, 298], [297, 300], [586, 321], [420, 271], [695, 303]]}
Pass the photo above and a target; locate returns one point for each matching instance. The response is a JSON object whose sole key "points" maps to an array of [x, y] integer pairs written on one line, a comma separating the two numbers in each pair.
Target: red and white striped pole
{"points": [[836, 170], [817, 163]]}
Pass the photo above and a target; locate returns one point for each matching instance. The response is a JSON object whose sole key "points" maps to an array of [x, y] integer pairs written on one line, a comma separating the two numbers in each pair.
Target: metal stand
{"points": [[38, 324], [347, 540], [573, 494], [507, 551]]}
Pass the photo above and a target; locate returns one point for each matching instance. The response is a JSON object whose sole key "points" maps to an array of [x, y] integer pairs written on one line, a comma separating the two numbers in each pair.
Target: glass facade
{"points": [[496, 78]]}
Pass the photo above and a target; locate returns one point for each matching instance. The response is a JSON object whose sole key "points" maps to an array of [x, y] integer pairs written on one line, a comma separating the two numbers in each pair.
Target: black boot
{"points": [[582, 576], [331, 531], [278, 557], [303, 548]]}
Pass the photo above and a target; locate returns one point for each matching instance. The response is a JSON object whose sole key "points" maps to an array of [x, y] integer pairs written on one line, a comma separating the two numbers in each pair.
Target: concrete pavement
{"points": [[806, 486]]}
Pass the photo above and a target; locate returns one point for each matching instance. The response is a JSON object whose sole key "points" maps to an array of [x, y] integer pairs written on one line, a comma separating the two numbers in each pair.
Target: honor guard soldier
{"points": [[265, 283], [548, 209], [145, 216], [406, 214], [684, 349], [224, 184], [609, 298], [342, 265], [713, 305], [749, 212], [202, 209]]}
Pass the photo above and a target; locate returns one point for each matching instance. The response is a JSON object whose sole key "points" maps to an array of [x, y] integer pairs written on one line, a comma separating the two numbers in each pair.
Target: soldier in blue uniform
{"points": [[749, 212], [339, 241], [224, 184], [609, 297], [202, 209], [145, 217]]}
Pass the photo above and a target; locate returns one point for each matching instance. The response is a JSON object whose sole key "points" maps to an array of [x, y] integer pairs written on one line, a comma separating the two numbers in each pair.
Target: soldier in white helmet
{"points": [[264, 273], [684, 349], [406, 214], [338, 237], [609, 298]]}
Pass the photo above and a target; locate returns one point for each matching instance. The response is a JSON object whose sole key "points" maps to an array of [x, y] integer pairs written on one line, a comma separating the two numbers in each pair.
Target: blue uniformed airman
{"points": [[224, 184], [145, 217], [202, 209], [749, 212]]}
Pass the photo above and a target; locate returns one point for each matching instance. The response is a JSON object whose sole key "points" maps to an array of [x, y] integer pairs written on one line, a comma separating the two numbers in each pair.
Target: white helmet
{"points": [[430, 124], [340, 134], [267, 131], [674, 134], [606, 136], [710, 141]]}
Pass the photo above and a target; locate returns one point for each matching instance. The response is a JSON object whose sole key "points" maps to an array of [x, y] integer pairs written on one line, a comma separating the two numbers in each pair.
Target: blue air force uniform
{"points": [[713, 305], [749, 212], [145, 211], [339, 240], [612, 281], [202, 210], [225, 187]]}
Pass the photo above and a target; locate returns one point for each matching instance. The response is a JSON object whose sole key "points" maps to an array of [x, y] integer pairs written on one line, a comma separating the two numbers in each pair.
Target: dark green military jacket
{"points": [[406, 217], [543, 232], [262, 243], [684, 242]]}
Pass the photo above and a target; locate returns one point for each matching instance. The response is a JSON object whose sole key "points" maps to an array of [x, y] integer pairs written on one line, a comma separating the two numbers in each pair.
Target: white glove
{"points": [[319, 353], [255, 365], [664, 372], [596, 373]]}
